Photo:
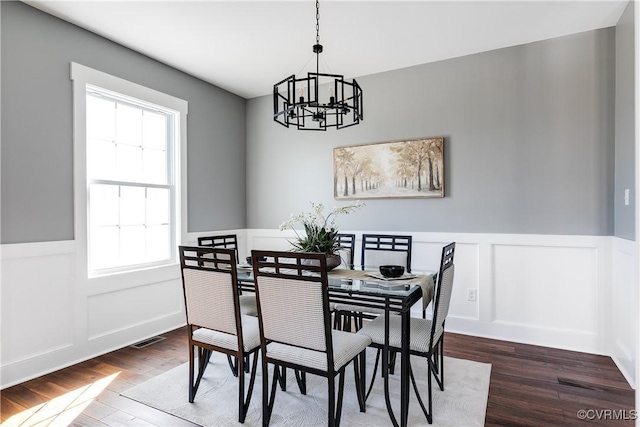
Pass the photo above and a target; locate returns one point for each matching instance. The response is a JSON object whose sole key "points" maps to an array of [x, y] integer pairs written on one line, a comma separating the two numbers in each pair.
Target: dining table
{"points": [[369, 290]]}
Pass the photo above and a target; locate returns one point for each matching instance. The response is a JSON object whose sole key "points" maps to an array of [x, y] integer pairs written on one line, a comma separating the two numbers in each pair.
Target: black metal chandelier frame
{"points": [[342, 108]]}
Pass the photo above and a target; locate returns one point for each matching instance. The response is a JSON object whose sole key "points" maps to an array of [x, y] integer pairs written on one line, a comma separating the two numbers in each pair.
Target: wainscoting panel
{"points": [[544, 290], [135, 306], [553, 291], [52, 319], [546, 287], [624, 295], [37, 299]]}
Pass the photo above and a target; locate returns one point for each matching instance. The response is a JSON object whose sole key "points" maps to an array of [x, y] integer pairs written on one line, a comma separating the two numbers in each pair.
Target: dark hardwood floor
{"points": [[530, 386]]}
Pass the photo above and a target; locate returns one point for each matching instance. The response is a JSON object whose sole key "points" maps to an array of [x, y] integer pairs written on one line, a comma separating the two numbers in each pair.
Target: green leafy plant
{"points": [[320, 231]]}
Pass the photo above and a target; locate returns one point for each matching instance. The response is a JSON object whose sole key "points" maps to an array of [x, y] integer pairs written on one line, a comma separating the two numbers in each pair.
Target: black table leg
{"points": [[385, 366], [404, 369]]}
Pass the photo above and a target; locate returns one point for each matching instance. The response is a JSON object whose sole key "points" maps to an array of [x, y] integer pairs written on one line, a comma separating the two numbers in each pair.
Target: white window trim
{"points": [[81, 77]]}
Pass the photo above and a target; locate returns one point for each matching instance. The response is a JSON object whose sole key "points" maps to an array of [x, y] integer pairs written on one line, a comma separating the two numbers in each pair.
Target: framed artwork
{"points": [[412, 168]]}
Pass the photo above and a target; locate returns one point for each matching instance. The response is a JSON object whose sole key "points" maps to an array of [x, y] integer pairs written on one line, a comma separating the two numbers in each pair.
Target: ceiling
{"points": [[247, 46]]}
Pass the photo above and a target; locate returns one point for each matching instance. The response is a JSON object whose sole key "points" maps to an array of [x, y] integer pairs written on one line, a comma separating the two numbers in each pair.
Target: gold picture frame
{"points": [[412, 168]]}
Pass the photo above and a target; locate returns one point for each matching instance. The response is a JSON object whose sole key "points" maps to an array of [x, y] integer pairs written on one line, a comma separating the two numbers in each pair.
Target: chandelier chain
{"points": [[317, 21]]}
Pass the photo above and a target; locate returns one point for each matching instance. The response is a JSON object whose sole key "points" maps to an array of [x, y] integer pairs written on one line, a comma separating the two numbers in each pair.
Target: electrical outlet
{"points": [[471, 294]]}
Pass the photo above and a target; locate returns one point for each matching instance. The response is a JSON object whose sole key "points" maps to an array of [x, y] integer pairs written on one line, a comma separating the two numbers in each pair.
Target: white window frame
{"points": [[83, 77]]}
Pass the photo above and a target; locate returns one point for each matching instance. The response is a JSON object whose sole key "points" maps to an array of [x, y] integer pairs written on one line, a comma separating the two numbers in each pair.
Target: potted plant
{"points": [[320, 231]]}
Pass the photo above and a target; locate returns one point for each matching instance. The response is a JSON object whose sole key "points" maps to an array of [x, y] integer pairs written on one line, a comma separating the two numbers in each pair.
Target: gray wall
{"points": [[625, 125], [529, 143], [37, 146]]}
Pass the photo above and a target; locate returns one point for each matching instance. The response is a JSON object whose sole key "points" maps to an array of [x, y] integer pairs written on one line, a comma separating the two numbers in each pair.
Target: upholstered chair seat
{"points": [[346, 346], [250, 336]]}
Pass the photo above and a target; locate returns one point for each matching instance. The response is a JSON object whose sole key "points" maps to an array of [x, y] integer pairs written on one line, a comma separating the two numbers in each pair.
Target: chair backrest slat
{"points": [[228, 241], [386, 249]]}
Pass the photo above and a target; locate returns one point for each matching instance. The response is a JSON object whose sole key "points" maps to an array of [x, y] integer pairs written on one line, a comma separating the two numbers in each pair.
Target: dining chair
{"points": [[426, 335], [230, 241], [299, 335], [377, 250], [347, 249], [214, 318], [450, 250]]}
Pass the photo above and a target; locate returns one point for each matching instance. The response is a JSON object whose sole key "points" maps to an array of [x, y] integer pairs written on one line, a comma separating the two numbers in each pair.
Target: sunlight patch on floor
{"points": [[62, 410]]}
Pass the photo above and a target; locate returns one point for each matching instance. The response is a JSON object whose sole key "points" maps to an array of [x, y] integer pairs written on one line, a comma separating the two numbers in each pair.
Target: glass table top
{"points": [[346, 282]]}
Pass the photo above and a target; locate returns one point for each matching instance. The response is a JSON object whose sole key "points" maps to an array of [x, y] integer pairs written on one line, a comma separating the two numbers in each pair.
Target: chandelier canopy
{"points": [[303, 103]]}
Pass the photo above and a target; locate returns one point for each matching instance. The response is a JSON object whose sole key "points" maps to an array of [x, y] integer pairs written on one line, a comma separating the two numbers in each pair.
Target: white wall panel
{"points": [[117, 311], [37, 303], [268, 240], [544, 290], [49, 315], [546, 287], [624, 295], [552, 291]]}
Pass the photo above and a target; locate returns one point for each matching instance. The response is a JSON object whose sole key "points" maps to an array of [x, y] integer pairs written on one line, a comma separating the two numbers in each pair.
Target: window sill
{"points": [[131, 279]]}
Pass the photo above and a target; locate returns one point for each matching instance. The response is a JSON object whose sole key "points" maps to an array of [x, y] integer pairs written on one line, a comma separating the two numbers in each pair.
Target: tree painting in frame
{"points": [[398, 169]]}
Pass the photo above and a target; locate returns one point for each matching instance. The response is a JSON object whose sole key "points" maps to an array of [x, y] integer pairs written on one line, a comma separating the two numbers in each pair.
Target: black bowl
{"points": [[260, 258], [391, 270]]}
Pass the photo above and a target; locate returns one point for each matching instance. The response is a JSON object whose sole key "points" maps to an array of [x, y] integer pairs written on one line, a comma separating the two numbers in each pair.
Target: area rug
{"points": [[462, 403]]}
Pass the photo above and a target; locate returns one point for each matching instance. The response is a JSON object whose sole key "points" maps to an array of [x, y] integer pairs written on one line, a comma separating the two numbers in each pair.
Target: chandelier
{"points": [[305, 104]]}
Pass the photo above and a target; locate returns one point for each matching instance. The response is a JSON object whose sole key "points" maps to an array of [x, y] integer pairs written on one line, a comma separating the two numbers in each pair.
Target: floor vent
{"points": [[147, 342]]}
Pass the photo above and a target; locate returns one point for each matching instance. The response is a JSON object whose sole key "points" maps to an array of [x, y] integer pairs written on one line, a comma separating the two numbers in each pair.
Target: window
{"points": [[127, 148], [130, 181]]}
